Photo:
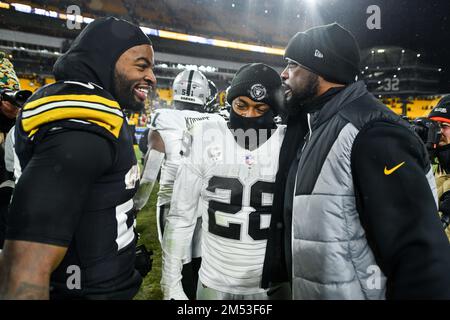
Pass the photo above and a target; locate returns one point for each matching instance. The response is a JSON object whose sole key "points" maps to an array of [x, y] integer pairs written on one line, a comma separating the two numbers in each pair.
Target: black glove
{"points": [[6, 194], [444, 207], [144, 260]]}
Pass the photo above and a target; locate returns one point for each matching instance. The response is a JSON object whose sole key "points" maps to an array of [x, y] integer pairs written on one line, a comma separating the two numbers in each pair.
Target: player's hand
{"points": [[171, 279], [174, 293]]}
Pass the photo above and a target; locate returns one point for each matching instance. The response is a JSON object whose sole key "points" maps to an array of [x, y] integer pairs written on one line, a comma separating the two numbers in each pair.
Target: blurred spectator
{"points": [[8, 113], [441, 114]]}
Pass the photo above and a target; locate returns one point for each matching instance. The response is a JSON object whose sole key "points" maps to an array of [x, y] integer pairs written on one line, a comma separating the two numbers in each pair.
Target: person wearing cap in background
{"points": [[441, 114], [70, 229], [9, 82], [227, 174], [360, 219]]}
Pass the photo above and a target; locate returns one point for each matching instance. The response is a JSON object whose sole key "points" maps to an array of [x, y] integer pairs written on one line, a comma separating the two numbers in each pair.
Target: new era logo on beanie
{"points": [[259, 82], [441, 112], [330, 51]]}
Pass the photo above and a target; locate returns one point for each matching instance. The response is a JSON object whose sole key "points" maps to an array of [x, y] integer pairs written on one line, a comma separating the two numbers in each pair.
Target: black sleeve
{"points": [[50, 195], [399, 214]]}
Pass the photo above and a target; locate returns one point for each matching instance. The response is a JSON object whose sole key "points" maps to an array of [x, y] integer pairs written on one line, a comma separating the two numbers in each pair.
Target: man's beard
{"points": [[443, 155], [123, 91], [302, 96]]}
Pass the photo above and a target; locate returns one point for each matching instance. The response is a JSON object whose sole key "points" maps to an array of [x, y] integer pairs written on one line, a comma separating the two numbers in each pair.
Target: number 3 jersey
{"points": [[233, 190]]}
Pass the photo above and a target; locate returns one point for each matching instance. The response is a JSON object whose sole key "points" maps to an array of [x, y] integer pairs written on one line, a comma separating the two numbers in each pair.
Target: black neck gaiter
{"points": [[257, 123], [263, 125]]}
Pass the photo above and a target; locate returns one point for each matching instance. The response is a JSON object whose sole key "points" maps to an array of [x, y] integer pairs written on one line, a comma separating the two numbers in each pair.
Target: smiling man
{"points": [[70, 230]]}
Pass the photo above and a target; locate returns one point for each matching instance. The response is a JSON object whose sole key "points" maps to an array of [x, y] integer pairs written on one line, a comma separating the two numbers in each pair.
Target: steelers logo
{"points": [[258, 92]]}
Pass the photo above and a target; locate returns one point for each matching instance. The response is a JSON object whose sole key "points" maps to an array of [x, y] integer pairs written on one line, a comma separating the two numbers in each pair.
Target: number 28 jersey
{"points": [[233, 189]]}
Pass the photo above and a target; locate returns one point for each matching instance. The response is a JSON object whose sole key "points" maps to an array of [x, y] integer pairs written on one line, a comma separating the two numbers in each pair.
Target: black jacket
{"points": [[398, 227]]}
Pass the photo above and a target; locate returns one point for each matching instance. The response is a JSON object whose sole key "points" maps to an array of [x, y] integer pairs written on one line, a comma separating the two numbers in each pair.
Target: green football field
{"points": [[146, 227]]}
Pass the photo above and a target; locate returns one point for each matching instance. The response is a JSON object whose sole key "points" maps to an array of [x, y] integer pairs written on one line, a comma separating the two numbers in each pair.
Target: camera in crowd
{"points": [[16, 98], [429, 131]]}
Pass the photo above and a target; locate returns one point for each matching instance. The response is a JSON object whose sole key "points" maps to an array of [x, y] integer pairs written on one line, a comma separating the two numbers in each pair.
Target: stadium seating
{"points": [[168, 14], [416, 107]]}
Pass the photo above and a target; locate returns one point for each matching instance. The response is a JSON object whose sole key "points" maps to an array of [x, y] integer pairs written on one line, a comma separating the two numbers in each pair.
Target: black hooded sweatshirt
{"points": [[94, 53], [79, 169]]}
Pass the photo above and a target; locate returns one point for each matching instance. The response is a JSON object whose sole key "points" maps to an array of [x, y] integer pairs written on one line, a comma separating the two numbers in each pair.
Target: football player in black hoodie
{"points": [[70, 230]]}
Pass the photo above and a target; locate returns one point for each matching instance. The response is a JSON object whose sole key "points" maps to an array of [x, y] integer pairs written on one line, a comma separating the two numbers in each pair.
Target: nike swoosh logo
{"points": [[390, 171]]}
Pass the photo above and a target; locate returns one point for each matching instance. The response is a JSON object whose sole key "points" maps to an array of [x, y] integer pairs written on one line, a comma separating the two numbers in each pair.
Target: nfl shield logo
{"points": [[249, 160]]}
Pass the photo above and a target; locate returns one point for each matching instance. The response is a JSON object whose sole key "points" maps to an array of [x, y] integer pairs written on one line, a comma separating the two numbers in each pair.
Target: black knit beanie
{"points": [[329, 51], [258, 82], [441, 112]]}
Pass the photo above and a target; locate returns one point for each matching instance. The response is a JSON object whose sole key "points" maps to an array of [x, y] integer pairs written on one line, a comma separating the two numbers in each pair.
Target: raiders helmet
{"points": [[191, 86], [211, 105]]}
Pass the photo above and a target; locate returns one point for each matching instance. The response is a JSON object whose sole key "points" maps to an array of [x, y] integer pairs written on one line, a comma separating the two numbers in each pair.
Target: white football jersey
{"points": [[172, 125], [235, 187]]}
